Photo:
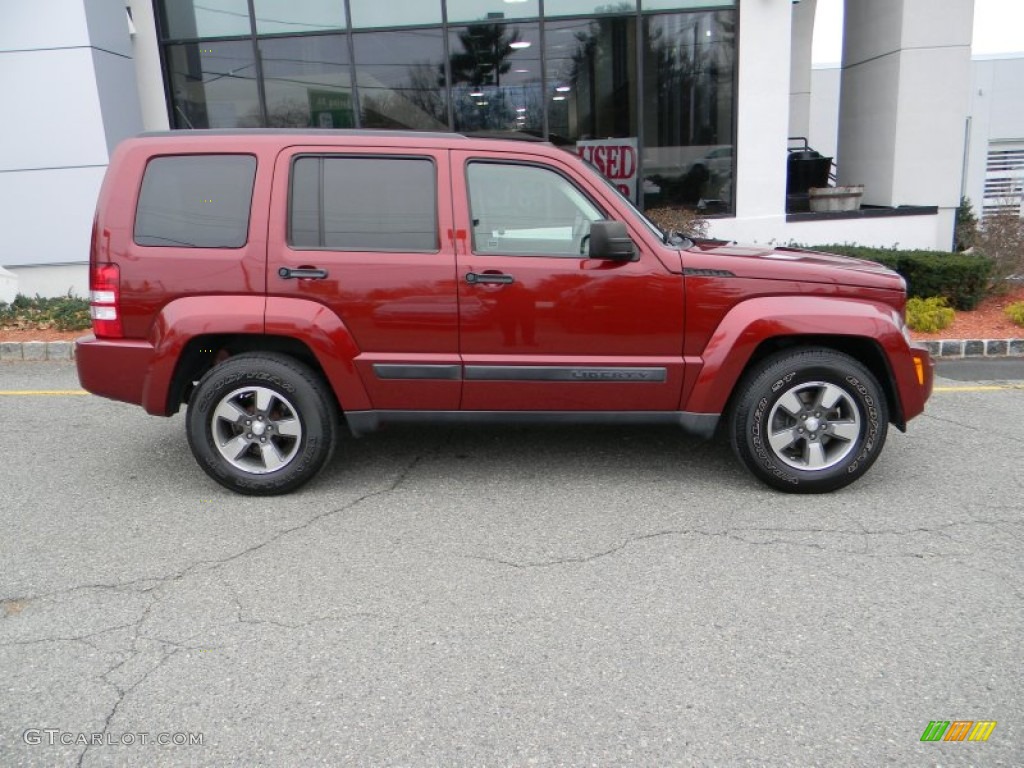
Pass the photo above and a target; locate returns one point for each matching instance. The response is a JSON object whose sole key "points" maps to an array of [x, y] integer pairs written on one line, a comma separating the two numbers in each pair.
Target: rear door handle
{"points": [[303, 273], [473, 278]]}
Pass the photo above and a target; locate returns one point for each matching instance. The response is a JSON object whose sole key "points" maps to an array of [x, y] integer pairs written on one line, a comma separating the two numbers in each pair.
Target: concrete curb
{"points": [[36, 351], [945, 349]]}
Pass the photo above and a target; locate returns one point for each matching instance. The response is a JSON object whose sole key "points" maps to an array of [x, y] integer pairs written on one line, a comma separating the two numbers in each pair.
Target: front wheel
{"points": [[261, 424], [809, 421]]}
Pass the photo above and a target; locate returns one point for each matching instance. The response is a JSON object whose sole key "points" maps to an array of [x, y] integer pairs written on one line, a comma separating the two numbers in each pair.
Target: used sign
{"points": [[616, 159]]}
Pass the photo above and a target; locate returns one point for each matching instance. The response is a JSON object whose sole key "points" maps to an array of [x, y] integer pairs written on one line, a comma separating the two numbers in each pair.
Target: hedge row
{"points": [[961, 278], [63, 313]]}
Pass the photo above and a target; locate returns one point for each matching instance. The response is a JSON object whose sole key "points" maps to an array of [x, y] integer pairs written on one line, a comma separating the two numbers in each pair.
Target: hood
{"points": [[764, 262]]}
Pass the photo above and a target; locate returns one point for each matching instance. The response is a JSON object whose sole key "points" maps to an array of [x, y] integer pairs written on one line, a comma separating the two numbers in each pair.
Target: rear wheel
{"points": [[261, 424], [809, 421]]}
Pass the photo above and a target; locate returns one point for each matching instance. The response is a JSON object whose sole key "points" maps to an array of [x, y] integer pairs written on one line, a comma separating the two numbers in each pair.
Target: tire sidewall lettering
{"points": [[756, 426], [870, 412]]}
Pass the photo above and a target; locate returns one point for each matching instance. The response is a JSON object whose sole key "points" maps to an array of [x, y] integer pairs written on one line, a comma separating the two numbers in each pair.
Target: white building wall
{"points": [[824, 129], [8, 286], [997, 115], [906, 71], [800, 68], [904, 232], [149, 76], [762, 124], [69, 97], [878, 131]]}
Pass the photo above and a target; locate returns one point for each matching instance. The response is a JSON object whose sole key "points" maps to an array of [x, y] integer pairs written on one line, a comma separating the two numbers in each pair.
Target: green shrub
{"points": [[962, 278], [1016, 313], [965, 230], [63, 313], [929, 315]]}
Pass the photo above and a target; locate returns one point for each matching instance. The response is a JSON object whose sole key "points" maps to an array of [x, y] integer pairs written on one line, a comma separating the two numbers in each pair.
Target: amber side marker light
{"points": [[919, 367]]}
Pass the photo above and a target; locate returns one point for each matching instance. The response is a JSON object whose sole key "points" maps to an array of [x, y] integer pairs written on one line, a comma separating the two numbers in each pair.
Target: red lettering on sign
{"points": [[614, 161]]}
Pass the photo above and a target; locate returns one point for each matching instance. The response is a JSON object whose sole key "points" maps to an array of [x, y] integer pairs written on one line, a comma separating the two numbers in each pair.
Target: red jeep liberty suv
{"points": [[278, 282]]}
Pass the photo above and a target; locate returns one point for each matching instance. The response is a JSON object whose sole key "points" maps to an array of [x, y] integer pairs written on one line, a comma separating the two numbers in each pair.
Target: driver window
{"points": [[524, 210]]}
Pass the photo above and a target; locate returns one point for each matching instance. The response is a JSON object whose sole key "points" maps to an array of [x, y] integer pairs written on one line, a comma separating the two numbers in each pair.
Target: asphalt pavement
{"points": [[507, 597]]}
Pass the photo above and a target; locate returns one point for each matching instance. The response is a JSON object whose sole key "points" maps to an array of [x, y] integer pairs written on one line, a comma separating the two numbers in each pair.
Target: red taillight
{"points": [[104, 300]]}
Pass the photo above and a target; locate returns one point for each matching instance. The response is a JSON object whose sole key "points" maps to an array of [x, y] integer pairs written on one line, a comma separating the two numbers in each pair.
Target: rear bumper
{"points": [[117, 369]]}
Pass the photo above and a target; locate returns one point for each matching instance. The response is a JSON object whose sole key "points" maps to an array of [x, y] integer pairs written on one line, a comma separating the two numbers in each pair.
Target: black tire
{"points": [[262, 424], [787, 442]]}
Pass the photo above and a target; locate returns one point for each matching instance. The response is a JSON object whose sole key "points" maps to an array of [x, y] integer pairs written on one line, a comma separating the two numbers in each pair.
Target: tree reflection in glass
{"points": [[495, 78]]}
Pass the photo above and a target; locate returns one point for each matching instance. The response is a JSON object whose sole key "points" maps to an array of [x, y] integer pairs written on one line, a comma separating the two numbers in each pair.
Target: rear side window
{"points": [[363, 204], [196, 201]]}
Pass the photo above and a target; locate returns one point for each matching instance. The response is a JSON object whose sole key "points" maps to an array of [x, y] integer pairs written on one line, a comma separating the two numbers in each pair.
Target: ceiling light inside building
{"points": [[519, 45]]}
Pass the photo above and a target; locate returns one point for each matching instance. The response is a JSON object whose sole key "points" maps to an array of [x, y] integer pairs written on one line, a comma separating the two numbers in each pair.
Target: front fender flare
{"points": [[750, 323]]}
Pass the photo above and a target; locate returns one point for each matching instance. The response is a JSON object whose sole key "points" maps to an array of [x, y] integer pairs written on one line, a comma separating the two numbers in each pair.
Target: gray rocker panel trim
{"points": [[699, 424], [413, 371], [573, 373]]}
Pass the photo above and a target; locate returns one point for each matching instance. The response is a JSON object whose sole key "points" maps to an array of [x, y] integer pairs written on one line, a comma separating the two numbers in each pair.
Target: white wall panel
{"points": [[34, 24], [51, 106], [48, 215]]}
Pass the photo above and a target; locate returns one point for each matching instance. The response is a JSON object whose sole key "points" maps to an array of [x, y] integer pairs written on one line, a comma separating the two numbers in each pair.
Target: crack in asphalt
{"points": [[1015, 439], [241, 616], [122, 694], [153, 585], [206, 566], [735, 535], [84, 639]]}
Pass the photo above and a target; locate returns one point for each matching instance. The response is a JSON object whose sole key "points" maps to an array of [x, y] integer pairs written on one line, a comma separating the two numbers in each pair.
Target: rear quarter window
{"points": [[195, 201]]}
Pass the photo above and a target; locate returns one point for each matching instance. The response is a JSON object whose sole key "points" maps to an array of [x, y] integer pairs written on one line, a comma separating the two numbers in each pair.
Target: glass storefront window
{"points": [[290, 17], [394, 13], [496, 83], [587, 7], [591, 75], [400, 75], [689, 69], [491, 10], [682, 5], [307, 82], [205, 18], [213, 85], [645, 89]]}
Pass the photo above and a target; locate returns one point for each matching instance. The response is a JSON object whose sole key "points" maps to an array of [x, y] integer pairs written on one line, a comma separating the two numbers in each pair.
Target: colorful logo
{"points": [[958, 730]]}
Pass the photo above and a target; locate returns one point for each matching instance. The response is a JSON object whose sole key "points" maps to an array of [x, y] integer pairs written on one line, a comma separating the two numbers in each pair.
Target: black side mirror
{"points": [[610, 240]]}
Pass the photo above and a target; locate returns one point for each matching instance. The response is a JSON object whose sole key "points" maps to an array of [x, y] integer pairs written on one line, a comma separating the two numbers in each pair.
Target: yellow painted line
{"points": [[41, 392], [980, 388]]}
